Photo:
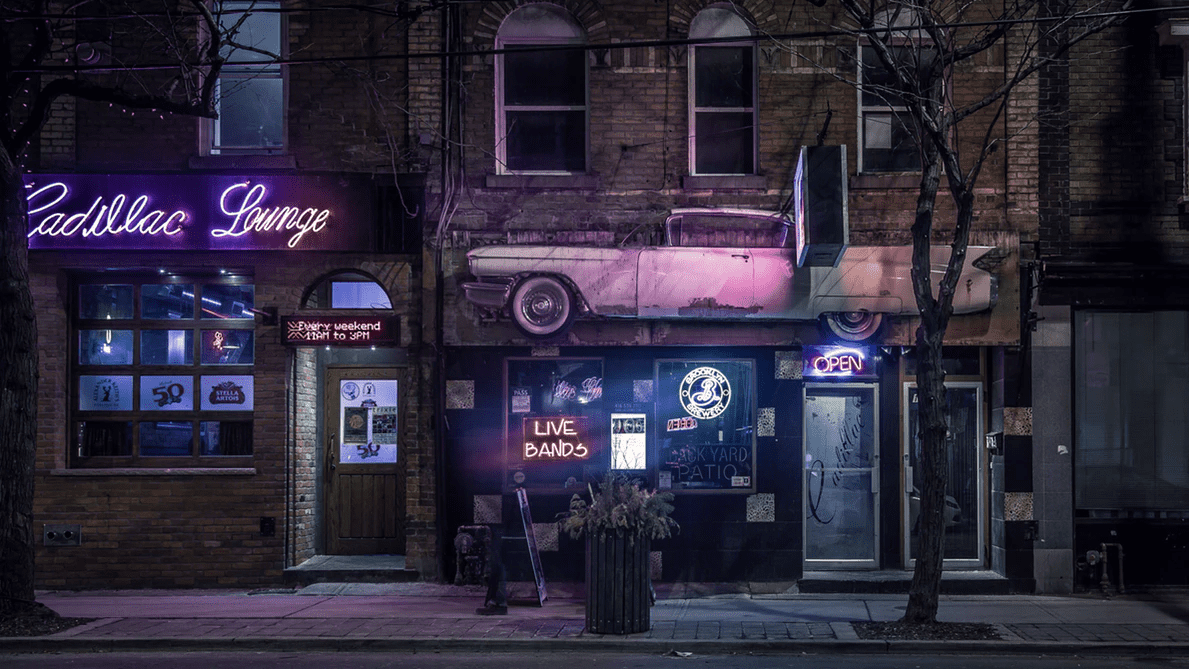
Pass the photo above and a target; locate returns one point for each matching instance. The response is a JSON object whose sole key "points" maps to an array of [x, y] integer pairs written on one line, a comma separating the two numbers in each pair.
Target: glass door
{"points": [[964, 506], [841, 476]]}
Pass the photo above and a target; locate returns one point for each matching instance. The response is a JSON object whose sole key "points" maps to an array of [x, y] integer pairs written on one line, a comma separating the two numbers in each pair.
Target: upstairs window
{"points": [[885, 126], [249, 96], [722, 115], [541, 94]]}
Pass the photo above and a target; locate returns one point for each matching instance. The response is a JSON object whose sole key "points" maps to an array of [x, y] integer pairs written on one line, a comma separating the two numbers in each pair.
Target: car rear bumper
{"points": [[490, 294]]}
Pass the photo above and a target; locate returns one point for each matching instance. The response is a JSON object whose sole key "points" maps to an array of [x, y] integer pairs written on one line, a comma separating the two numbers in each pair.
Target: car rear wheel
{"points": [[542, 307], [853, 325]]}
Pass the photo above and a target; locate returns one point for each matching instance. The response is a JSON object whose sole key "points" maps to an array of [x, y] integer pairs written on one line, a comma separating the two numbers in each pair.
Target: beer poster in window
{"points": [[226, 393], [166, 393], [105, 393], [629, 441], [369, 421], [555, 427], [705, 424]]}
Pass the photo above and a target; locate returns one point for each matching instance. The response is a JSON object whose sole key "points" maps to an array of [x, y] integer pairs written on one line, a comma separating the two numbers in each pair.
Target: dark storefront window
{"points": [[1132, 386], [705, 424], [163, 371], [555, 422]]}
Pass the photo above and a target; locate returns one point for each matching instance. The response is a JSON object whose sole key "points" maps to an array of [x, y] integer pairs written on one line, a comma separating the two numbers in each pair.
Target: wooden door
{"points": [[364, 470]]}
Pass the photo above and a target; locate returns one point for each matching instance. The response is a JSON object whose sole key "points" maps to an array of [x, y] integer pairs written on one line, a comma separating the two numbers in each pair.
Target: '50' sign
{"points": [[167, 394]]}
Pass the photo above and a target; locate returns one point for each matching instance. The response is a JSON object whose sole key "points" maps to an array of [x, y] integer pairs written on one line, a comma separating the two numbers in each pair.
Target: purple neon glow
{"points": [[199, 212], [247, 216], [99, 219], [836, 361]]}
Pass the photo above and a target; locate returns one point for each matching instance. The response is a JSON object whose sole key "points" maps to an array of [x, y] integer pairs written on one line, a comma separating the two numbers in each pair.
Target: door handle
{"points": [[331, 446], [740, 255]]}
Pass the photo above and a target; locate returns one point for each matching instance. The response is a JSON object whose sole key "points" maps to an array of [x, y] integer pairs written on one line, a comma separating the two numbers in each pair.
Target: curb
{"points": [[51, 644]]}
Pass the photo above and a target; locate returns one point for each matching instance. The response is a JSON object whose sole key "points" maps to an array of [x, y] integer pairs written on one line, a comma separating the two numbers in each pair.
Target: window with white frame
{"points": [[250, 93], [722, 111], [886, 136], [541, 93], [163, 371]]}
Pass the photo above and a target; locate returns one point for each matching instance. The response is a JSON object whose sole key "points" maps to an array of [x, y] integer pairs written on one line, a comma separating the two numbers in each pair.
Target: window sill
{"points": [[884, 181], [724, 182], [576, 181], [242, 162], [158, 471]]}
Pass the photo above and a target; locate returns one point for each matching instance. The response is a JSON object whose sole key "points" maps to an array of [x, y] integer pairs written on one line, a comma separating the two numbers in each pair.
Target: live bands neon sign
{"points": [[197, 212], [838, 361], [555, 438]]}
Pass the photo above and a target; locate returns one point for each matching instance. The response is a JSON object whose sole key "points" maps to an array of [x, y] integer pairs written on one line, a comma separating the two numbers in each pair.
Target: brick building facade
{"points": [[232, 489], [641, 161], [1108, 453], [463, 135]]}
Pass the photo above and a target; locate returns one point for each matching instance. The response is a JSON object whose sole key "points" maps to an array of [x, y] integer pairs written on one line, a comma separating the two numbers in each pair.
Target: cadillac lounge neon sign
{"points": [[197, 212]]}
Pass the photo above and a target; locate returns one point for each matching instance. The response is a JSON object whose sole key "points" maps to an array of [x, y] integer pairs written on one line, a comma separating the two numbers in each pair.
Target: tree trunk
{"points": [[18, 397], [926, 578], [925, 591]]}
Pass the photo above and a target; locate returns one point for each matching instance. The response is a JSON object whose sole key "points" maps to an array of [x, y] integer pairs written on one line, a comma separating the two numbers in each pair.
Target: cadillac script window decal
{"points": [[705, 393]]}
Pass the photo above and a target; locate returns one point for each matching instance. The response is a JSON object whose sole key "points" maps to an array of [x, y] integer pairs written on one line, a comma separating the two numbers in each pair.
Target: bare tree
{"points": [[924, 50], [163, 55]]}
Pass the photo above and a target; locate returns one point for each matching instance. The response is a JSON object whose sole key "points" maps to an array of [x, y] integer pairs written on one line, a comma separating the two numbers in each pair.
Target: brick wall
{"points": [[1112, 156], [639, 154]]}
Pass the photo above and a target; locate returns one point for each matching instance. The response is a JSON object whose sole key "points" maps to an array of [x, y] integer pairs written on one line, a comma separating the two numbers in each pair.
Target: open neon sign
{"points": [[197, 212], [837, 361]]}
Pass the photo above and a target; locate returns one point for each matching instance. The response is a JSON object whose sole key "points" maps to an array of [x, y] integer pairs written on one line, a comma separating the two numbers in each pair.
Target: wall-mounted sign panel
{"points": [[341, 330], [200, 212], [839, 362]]}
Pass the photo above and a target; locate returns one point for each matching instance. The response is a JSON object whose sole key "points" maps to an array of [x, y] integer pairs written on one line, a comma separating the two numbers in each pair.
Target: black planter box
{"points": [[618, 597]]}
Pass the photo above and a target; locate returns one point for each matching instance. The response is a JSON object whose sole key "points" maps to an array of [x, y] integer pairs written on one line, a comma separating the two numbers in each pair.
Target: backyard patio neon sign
{"points": [[197, 212]]}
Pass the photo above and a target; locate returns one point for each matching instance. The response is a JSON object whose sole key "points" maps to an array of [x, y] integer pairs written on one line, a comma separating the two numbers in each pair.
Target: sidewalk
{"points": [[432, 617]]}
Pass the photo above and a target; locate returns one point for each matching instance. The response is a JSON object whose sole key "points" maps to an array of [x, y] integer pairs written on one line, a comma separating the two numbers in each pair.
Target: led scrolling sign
{"points": [[198, 212]]}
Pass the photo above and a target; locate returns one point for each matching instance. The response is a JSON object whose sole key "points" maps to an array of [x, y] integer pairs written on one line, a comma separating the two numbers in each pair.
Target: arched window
{"points": [[885, 132], [347, 290], [722, 111], [541, 95]]}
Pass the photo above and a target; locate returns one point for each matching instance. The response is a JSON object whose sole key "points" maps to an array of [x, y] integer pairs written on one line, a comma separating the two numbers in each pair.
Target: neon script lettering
{"points": [[100, 218], [247, 216]]}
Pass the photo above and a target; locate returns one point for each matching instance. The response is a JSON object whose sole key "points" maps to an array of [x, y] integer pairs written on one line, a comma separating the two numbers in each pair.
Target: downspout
{"points": [[450, 21]]}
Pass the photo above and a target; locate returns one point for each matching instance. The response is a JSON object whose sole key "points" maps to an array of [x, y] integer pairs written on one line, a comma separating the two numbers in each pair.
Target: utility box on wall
{"points": [[819, 204]]}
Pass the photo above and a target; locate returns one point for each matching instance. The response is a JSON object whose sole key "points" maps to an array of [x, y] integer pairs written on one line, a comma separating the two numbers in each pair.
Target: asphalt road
{"points": [[207, 660]]}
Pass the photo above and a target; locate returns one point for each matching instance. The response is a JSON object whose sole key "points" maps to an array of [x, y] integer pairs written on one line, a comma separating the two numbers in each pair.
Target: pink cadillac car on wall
{"points": [[713, 264]]}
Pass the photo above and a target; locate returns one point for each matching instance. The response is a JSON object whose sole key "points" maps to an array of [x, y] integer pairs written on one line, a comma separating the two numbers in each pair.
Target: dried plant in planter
{"points": [[621, 505]]}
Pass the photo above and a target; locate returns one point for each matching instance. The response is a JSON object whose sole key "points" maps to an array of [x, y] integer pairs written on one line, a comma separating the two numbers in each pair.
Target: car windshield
{"points": [[728, 230]]}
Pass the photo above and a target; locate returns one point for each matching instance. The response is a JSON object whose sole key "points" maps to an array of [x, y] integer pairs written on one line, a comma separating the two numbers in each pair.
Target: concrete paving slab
{"points": [[177, 606], [429, 608], [747, 609]]}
